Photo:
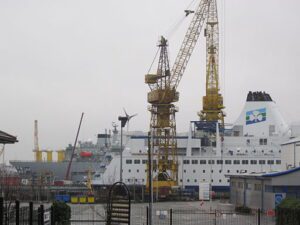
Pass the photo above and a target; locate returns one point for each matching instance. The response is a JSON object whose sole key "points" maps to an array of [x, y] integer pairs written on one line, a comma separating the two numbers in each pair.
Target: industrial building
{"points": [[264, 190], [291, 153]]}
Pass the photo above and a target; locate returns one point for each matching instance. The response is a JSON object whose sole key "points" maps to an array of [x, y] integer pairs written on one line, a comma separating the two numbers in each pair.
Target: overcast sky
{"points": [[59, 58]]}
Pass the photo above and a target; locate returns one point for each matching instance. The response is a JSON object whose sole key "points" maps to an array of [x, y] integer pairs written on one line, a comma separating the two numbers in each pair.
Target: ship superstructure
{"points": [[250, 145]]}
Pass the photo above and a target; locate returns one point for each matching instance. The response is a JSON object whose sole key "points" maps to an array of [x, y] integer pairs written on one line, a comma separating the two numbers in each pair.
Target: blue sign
{"points": [[256, 116], [278, 198]]}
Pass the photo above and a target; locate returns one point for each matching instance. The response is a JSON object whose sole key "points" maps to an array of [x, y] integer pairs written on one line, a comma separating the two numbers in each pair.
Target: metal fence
{"points": [[88, 214], [12, 212], [163, 216]]}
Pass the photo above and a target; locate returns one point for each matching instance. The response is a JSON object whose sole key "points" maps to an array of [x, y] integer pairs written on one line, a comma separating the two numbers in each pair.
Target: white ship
{"points": [[250, 145]]}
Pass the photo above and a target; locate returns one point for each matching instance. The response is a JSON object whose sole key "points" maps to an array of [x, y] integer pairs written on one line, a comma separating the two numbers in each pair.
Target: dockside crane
{"points": [[163, 92]]}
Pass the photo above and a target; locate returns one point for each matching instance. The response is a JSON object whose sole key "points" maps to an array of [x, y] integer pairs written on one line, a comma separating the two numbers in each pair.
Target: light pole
{"points": [[123, 120]]}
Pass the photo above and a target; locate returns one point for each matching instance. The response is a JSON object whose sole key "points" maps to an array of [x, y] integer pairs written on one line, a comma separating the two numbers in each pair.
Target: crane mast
{"points": [[213, 100], [163, 124]]}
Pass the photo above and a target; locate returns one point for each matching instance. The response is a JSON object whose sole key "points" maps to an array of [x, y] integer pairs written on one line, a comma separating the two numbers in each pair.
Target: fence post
{"points": [[42, 214], [17, 212], [258, 217], [1, 211], [171, 217], [52, 215], [215, 221], [147, 215], [30, 218]]}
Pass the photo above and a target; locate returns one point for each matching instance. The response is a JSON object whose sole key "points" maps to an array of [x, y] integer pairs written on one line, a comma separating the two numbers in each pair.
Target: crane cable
{"points": [[173, 29]]}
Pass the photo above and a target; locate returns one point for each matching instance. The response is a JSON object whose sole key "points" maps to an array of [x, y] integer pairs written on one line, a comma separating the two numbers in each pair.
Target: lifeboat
{"points": [[86, 154]]}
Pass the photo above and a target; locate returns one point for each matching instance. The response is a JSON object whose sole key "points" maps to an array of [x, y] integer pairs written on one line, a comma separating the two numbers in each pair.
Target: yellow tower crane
{"points": [[163, 93], [213, 101]]}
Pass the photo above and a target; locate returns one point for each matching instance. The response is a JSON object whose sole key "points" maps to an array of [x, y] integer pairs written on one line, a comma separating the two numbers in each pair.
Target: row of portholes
{"points": [[220, 171], [204, 180]]}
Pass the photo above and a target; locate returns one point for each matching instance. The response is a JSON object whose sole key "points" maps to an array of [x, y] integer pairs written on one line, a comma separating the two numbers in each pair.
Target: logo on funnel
{"points": [[256, 116]]}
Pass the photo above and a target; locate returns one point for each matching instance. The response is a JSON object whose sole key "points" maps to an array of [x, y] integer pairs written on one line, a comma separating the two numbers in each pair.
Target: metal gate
{"points": [[118, 206]]}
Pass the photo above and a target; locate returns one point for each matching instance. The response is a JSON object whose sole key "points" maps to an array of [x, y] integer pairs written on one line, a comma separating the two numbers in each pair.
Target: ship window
{"points": [[188, 180], [212, 180], [195, 180], [129, 171], [261, 162], [137, 161], [194, 171], [237, 171], [203, 179], [203, 171], [236, 162], [144, 161], [278, 162], [180, 180], [145, 171], [212, 171], [185, 161], [263, 141], [220, 171], [194, 161], [270, 162], [211, 161], [248, 141], [228, 180], [228, 171], [143, 180], [137, 171], [244, 162], [128, 161], [227, 162], [253, 162], [202, 161], [184, 171], [219, 161], [220, 181]]}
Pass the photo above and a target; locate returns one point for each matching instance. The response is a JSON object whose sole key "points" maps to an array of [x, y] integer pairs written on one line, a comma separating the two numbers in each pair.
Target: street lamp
{"points": [[123, 120]]}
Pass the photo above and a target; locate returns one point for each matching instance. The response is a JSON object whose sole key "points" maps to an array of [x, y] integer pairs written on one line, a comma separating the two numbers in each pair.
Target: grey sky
{"points": [[59, 58]]}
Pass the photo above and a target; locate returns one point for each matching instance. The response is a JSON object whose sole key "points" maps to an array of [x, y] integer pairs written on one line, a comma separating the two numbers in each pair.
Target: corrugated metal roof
{"points": [[264, 175], [291, 141], [6, 138]]}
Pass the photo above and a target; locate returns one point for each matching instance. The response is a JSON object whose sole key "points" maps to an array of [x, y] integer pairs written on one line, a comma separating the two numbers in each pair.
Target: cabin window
{"points": [[263, 141], [195, 180], [137, 161], [194, 171], [228, 171], [220, 181], [236, 162], [194, 161], [278, 162], [188, 180], [211, 161], [203, 171], [129, 171], [228, 162], [262, 162], [253, 162], [186, 161], [137, 171], [144, 161], [128, 161], [270, 162], [184, 171], [244, 162], [202, 161], [219, 161]]}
